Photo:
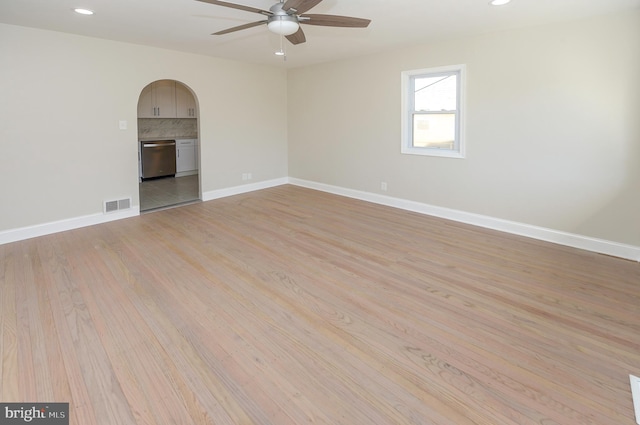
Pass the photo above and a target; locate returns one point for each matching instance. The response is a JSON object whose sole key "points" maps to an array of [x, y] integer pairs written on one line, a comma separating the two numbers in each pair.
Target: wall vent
{"points": [[117, 205], [124, 204]]}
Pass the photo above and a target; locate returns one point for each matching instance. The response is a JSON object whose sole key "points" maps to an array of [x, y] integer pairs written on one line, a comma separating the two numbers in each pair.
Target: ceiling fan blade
{"points": [[334, 21], [300, 6], [240, 27], [297, 37], [238, 6]]}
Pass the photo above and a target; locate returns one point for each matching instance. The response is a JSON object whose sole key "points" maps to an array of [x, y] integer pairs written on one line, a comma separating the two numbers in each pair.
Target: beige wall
{"points": [[553, 134], [553, 138], [61, 97]]}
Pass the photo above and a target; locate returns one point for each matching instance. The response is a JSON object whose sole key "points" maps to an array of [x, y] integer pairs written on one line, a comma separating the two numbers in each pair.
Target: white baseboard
{"points": [[601, 246], [237, 190], [635, 395], [22, 233], [14, 235]]}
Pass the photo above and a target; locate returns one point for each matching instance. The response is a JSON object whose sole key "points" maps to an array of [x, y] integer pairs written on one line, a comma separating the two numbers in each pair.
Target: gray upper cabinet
{"points": [[185, 102], [166, 99]]}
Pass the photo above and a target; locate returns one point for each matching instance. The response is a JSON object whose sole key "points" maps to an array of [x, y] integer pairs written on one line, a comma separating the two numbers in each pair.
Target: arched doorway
{"points": [[168, 146]]}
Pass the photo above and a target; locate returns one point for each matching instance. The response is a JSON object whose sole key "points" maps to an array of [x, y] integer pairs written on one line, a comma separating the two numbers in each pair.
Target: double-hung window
{"points": [[432, 111]]}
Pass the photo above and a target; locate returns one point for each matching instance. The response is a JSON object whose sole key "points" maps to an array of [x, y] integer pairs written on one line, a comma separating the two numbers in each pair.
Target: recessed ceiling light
{"points": [[83, 11], [498, 2]]}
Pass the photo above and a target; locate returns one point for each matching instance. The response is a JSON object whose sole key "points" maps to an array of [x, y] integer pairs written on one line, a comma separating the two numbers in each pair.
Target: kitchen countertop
{"points": [[151, 139]]}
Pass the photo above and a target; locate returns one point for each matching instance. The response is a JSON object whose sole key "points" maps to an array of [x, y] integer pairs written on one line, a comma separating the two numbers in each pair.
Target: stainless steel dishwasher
{"points": [[158, 158]]}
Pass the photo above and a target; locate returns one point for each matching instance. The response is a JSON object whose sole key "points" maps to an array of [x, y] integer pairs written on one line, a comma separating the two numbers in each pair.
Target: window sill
{"points": [[443, 153]]}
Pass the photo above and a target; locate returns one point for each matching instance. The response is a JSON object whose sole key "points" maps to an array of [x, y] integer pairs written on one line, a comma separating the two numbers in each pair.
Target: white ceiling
{"points": [[186, 25]]}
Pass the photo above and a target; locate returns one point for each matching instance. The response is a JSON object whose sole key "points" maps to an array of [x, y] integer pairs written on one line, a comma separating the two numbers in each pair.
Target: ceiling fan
{"points": [[284, 18]]}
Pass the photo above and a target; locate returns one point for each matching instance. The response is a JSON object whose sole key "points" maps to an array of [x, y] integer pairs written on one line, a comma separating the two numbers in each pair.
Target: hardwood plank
{"points": [[24, 328], [137, 371], [289, 306], [88, 374], [9, 383]]}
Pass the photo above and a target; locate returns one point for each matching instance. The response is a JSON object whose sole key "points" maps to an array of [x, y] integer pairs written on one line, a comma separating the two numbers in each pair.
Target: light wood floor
{"points": [[291, 306]]}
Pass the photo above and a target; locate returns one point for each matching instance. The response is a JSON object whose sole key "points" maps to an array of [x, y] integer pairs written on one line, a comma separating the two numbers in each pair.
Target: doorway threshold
{"points": [[168, 207]]}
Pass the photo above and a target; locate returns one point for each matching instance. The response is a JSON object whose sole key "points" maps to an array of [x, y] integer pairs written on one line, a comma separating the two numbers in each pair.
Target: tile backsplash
{"points": [[186, 128]]}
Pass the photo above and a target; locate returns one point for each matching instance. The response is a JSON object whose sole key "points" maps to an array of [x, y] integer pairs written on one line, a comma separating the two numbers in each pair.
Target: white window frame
{"points": [[407, 110]]}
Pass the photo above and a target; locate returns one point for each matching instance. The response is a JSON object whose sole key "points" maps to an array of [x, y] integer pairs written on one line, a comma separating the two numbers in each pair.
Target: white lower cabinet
{"points": [[186, 156]]}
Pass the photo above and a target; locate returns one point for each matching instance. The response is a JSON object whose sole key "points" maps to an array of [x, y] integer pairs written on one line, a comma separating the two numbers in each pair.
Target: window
{"points": [[432, 111]]}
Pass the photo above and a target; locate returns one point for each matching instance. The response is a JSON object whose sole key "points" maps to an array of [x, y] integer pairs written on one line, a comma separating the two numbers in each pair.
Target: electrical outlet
{"points": [[249, 176], [122, 125], [383, 186]]}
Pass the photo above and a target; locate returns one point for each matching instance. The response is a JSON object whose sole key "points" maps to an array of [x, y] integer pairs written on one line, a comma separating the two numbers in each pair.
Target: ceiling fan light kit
{"points": [[284, 18], [283, 24]]}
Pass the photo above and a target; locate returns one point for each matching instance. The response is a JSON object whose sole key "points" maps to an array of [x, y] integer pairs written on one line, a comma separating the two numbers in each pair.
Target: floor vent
{"points": [[635, 393], [117, 205]]}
